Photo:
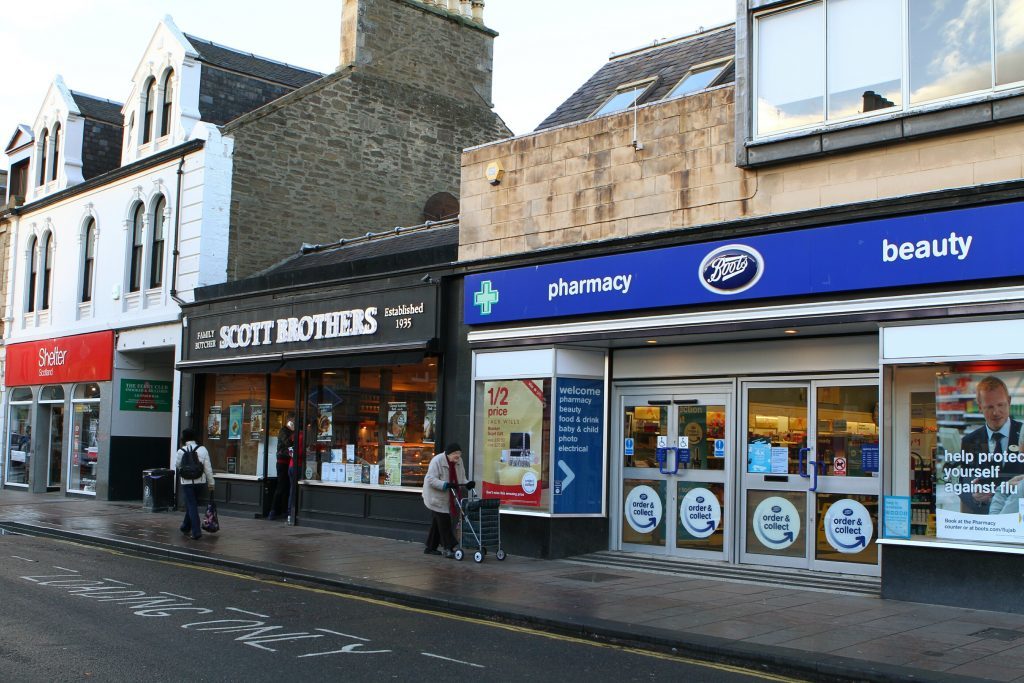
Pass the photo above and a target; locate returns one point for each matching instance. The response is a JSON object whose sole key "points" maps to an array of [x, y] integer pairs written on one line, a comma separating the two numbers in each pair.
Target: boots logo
{"points": [[731, 269]]}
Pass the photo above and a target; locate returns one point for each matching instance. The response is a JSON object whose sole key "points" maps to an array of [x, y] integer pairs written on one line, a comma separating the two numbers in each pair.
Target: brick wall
{"points": [[101, 148], [585, 182], [224, 96], [342, 156]]}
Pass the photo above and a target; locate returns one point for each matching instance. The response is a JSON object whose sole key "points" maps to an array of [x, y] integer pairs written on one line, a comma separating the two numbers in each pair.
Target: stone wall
{"points": [[585, 182], [342, 157]]}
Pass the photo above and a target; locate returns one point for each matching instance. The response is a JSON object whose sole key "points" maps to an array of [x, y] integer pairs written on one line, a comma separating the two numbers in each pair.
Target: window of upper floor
{"points": [[33, 276], [149, 107], [156, 247], [55, 156], [88, 260], [168, 103], [47, 283], [135, 254], [44, 145], [698, 78], [626, 95], [828, 61]]}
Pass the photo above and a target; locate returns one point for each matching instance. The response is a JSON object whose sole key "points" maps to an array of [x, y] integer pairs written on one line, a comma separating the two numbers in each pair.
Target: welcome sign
{"points": [[952, 246]]}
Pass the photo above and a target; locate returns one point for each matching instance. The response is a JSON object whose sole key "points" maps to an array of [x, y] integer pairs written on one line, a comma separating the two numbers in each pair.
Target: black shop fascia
{"points": [[349, 343]]}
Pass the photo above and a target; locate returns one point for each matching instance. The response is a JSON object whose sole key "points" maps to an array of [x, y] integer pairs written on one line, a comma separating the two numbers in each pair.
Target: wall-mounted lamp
{"points": [[495, 172]]}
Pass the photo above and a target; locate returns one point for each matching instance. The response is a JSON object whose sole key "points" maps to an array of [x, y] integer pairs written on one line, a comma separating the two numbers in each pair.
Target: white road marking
{"points": [[449, 659], [255, 614], [19, 557], [347, 650], [346, 635], [65, 569]]}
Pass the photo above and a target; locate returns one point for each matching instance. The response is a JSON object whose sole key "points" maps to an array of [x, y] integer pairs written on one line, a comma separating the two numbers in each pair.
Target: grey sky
{"points": [[545, 50]]}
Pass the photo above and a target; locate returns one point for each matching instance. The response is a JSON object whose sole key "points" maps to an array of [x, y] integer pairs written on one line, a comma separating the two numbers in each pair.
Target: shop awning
{"points": [[251, 365]]}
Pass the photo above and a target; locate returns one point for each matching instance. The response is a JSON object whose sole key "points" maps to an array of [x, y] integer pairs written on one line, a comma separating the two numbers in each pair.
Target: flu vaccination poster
{"points": [[513, 424]]}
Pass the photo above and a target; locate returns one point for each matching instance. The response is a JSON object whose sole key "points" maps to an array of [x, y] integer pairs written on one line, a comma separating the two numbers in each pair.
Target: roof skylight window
{"points": [[697, 78], [625, 96]]}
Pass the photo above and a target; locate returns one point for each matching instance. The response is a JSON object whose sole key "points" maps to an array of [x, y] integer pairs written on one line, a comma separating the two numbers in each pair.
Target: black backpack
{"points": [[190, 467]]}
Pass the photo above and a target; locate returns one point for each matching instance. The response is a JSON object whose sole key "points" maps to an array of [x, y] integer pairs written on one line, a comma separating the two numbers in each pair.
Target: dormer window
{"points": [[150, 106], [165, 114], [626, 95], [698, 78], [54, 165], [44, 141]]}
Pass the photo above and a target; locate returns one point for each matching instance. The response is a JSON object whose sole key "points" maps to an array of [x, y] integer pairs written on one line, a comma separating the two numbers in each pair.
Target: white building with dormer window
{"points": [[117, 212]]}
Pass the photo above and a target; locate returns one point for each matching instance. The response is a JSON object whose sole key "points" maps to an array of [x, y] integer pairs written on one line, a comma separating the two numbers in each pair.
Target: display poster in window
{"points": [[324, 422], [429, 420], [213, 423], [579, 446], [235, 421], [392, 466], [513, 424], [978, 465], [255, 422], [398, 416]]}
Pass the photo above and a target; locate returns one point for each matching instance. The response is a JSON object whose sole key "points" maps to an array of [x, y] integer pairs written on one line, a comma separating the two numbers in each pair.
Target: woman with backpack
{"points": [[192, 464]]}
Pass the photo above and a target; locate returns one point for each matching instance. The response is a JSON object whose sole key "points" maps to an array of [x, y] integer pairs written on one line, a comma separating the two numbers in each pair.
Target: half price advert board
{"points": [[513, 426]]}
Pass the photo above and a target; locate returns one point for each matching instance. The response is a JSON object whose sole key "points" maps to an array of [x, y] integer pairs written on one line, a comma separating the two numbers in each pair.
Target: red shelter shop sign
{"points": [[82, 358]]}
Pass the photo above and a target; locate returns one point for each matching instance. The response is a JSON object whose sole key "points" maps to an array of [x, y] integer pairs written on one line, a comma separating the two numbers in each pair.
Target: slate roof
{"points": [[98, 108], [251, 65], [380, 245], [669, 62]]}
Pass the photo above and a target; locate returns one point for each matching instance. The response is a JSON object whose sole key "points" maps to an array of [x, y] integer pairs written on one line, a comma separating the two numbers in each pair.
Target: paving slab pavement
{"points": [[817, 635]]}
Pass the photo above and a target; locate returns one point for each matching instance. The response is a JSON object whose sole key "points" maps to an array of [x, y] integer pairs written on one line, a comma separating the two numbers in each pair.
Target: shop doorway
{"points": [[809, 481], [51, 421], [676, 466]]}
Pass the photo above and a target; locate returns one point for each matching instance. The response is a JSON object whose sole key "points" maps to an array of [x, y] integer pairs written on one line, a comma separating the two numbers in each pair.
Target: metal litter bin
{"points": [[157, 489]]}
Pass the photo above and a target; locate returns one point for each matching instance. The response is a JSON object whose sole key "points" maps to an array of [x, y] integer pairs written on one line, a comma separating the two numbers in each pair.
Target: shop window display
{"points": [[370, 425], [235, 412], [964, 453], [19, 442], [84, 445]]}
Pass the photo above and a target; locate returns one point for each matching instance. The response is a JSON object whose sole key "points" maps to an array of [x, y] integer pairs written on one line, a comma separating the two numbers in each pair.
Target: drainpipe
{"points": [[177, 231]]}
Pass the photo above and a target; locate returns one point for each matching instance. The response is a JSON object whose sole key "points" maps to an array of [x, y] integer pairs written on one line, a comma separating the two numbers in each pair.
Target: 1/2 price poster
{"points": [[513, 426]]}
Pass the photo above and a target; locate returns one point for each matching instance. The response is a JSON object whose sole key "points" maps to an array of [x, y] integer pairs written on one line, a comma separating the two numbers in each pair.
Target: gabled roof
{"points": [[22, 136], [249, 64], [98, 108], [668, 61]]}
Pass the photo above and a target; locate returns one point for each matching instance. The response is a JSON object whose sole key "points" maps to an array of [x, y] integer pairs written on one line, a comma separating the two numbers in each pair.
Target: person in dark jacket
{"points": [[285, 457]]}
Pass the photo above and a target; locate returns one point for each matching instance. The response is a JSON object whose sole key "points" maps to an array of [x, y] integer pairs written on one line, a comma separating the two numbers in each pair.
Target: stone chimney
{"points": [[441, 45]]}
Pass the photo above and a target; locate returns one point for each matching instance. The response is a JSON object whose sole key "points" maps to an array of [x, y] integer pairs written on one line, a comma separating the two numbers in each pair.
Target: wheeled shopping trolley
{"points": [[481, 526]]}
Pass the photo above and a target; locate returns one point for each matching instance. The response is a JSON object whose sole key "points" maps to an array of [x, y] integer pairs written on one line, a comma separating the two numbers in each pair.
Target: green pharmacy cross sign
{"points": [[147, 395], [485, 298]]}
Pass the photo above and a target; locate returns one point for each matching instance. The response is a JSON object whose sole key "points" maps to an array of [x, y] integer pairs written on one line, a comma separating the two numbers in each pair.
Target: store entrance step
{"points": [[745, 573]]}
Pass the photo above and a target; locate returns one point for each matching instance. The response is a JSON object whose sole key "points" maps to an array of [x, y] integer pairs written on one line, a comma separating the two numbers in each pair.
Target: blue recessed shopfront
{"points": [[950, 246]]}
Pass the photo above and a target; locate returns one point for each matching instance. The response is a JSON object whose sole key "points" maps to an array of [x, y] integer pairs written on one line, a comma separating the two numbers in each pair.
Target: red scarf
{"points": [[453, 479]]}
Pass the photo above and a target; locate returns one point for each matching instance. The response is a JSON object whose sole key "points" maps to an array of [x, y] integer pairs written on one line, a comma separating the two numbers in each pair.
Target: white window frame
{"points": [[878, 115], [722, 64]]}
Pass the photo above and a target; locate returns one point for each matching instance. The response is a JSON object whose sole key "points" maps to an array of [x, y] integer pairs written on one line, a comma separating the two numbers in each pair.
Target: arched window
{"points": [[156, 266], [135, 275], [44, 140], [147, 121], [165, 117], [30, 304], [47, 271], [55, 164], [89, 261]]}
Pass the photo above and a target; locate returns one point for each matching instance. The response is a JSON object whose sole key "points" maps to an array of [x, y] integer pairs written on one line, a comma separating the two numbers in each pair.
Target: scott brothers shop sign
{"points": [[293, 326]]}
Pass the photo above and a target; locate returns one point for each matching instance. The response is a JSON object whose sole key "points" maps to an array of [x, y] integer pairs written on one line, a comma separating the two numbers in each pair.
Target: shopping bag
{"points": [[210, 521]]}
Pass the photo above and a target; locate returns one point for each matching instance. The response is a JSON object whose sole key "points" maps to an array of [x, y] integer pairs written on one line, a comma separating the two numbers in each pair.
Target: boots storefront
{"points": [[843, 399]]}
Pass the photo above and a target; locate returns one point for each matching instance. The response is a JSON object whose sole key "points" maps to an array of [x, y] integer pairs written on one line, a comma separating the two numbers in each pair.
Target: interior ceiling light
{"points": [[791, 331], [652, 341]]}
